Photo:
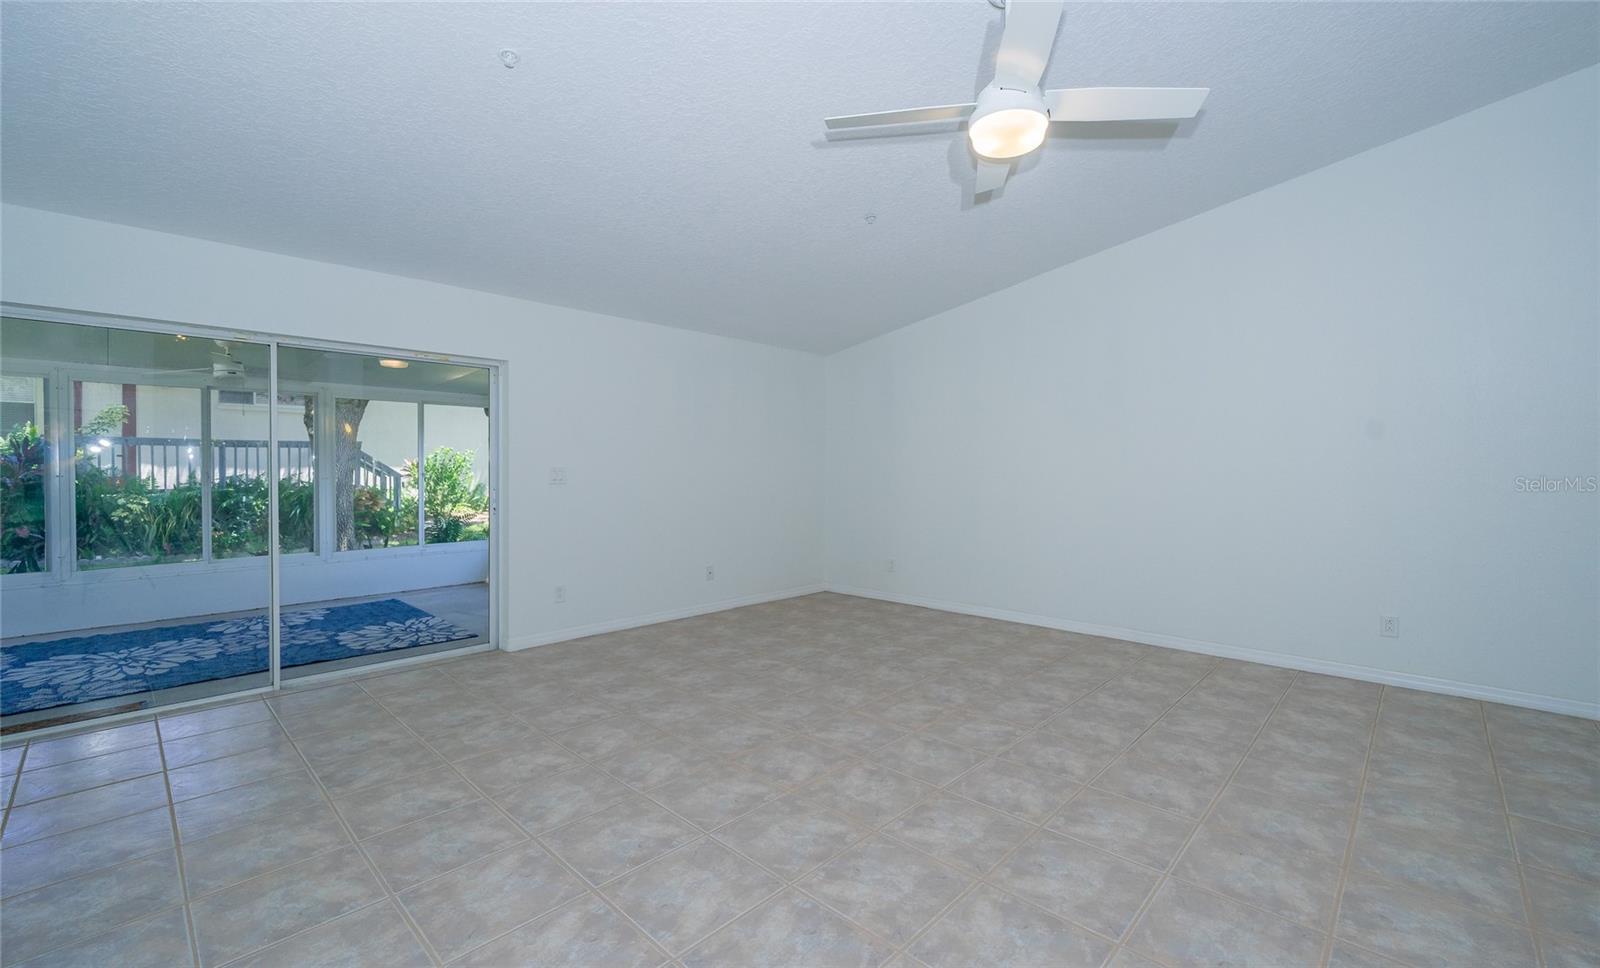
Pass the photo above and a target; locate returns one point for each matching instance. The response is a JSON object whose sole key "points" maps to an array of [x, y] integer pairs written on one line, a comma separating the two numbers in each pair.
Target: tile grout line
{"points": [[91, 825], [881, 829], [177, 846], [101, 933], [982, 879], [13, 786], [1516, 851], [702, 835], [1355, 828], [531, 839], [1042, 824], [241, 958], [372, 868], [1165, 876]]}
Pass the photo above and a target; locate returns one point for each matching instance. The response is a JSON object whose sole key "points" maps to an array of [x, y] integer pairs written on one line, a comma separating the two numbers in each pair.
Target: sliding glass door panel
{"points": [[390, 493], [150, 582]]}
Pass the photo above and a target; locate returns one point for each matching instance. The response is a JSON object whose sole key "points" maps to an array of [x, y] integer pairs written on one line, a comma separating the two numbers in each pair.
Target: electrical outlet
{"points": [[1389, 626], [561, 594], [558, 475], [890, 569], [711, 572]]}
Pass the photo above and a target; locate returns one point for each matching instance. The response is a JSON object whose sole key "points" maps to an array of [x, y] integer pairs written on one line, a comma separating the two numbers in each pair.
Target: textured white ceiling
{"points": [[665, 161]]}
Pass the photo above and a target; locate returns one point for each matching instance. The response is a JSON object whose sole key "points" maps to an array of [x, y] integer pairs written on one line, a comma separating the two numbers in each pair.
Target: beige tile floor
{"points": [[821, 781]]}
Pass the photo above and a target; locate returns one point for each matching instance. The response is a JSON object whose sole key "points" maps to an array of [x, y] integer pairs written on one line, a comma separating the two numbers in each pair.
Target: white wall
{"points": [[1264, 427], [681, 449]]}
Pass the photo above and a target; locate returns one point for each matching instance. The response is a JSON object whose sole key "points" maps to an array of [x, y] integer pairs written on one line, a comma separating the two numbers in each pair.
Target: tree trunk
{"points": [[347, 416]]}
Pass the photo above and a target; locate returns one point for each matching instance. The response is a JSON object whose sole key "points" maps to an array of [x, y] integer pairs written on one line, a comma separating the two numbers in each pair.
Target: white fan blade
{"points": [[1124, 103], [1025, 45], [941, 112], [991, 175]]}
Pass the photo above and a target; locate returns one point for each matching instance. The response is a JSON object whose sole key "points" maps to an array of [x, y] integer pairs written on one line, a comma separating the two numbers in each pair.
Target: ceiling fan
{"points": [[1011, 116], [224, 365]]}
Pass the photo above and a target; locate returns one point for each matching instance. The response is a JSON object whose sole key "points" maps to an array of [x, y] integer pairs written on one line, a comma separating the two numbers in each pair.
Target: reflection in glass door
{"points": [[133, 556]]}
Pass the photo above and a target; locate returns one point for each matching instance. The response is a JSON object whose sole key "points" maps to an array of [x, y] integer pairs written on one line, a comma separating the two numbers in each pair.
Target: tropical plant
{"points": [[124, 519], [453, 497], [22, 503], [376, 520]]}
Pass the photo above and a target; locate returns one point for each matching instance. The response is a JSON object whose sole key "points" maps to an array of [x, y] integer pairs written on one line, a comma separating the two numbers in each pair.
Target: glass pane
{"points": [[375, 460], [24, 470], [456, 473], [239, 518], [296, 415], [141, 615], [136, 476], [382, 596]]}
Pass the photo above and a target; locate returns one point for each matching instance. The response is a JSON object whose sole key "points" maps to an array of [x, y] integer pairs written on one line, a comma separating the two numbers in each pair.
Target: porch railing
{"points": [[171, 461]]}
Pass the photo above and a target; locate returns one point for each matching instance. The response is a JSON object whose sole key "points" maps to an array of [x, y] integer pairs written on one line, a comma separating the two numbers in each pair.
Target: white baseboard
{"points": [[520, 642], [1448, 687]]}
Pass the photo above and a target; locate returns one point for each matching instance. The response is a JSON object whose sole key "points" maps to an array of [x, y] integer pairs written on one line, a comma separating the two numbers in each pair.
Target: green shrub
{"points": [[455, 499], [124, 520], [239, 517], [297, 515]]}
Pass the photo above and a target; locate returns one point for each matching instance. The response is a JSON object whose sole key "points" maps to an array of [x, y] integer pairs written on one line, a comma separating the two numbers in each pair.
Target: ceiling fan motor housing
{"points": [[1009, 121]]}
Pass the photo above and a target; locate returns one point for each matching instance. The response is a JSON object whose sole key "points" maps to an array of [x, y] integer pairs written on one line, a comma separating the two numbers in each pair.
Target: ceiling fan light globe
{"points": [[1008, 121], [1008, 132]]}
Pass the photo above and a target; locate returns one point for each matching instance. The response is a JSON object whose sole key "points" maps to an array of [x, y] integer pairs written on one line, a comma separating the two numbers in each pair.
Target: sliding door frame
{"points": [[496, 631]]}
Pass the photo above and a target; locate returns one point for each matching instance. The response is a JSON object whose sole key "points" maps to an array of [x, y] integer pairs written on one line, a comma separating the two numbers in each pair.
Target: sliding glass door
{"points": [[142, 475]]}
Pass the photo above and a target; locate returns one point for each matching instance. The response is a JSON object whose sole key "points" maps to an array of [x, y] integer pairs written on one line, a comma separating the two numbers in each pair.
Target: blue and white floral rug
{"points": [[39, 675]]}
